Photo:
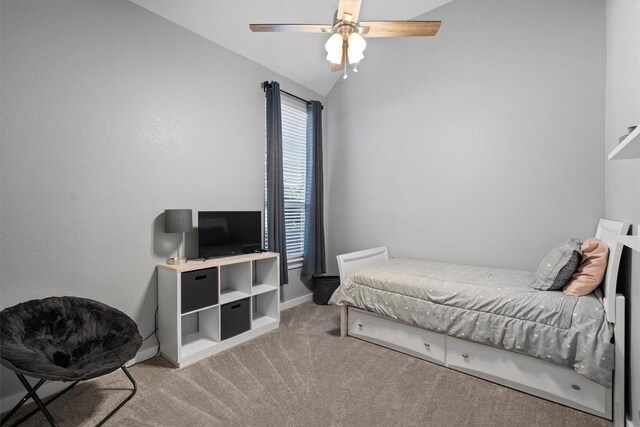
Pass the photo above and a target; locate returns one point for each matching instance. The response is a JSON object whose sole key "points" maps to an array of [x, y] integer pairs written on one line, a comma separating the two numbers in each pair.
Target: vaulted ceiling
{"points": [[298, 56]]}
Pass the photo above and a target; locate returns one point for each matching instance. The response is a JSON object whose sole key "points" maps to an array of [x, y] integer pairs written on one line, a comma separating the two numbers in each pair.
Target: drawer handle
{"points": [[360, 325], [235, 306], [576, 387], [465, 356], [204, 276], [427, 345]]}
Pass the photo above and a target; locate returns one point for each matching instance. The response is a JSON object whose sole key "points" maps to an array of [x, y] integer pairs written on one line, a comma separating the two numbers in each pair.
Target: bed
{"points": [[493, 324]]}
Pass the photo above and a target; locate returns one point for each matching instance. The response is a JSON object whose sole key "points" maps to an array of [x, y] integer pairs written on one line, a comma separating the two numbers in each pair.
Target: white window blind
{"points": [[294, 152]]}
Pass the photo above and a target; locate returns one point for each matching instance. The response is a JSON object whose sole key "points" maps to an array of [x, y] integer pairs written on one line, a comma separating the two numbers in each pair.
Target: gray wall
{"points": [[111, 114], [623, 176], [482, 145]]}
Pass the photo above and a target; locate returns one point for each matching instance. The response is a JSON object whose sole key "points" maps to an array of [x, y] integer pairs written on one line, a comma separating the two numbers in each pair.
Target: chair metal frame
{"points": [[32, 394]]}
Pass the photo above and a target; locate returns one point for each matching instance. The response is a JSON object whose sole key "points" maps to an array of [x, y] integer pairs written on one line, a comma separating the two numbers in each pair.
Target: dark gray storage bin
{"points": [[235, 318], [199, 289], [324, 287]]}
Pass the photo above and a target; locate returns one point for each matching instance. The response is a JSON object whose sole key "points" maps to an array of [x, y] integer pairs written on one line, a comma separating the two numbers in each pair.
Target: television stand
{"points": [[207, 306]]}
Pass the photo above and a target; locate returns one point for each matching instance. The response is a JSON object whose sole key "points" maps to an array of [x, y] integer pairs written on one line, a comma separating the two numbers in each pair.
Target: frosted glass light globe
{"points": [[354, 55], [334, 49], [357, 45]]}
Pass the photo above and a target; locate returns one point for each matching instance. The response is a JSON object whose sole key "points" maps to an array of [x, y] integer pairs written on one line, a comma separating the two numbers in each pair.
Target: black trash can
{"points": [[324, 287]]}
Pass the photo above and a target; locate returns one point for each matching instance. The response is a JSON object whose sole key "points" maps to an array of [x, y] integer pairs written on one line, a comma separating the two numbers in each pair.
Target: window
{"points": [[294, 152]]}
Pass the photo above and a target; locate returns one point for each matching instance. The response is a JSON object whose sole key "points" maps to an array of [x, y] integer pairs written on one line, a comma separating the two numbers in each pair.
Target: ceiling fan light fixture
{"points": [[334, 49], [346, 43], [356, 48], [354, 55]]}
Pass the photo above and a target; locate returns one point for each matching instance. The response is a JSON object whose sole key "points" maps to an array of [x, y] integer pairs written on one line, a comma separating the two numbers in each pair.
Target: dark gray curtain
{"points": [[314, 262], [275, 181]]}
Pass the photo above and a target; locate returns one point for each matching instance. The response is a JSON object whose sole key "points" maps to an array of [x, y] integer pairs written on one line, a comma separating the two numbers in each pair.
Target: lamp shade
{"points": [[177, 221]]}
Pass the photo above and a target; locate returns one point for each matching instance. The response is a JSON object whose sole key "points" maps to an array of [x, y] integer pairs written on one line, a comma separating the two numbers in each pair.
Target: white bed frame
{"points": [[525, 373]]}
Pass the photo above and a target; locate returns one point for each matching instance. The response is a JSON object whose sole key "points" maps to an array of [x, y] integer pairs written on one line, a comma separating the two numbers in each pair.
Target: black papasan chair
{"points": [[65, 339]]}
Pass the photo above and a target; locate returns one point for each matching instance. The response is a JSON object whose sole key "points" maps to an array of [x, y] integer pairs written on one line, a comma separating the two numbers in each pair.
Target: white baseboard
{"points": [[296, 301], [47, 389], [143, 355]]}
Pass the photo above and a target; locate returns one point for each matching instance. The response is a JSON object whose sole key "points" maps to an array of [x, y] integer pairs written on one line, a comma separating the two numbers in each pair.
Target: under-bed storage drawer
{"points": [[543, 379], [396, 335]]}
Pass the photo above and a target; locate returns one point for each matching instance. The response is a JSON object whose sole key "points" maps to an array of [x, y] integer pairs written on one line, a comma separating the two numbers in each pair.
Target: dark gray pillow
{"points": [[566, 272], [557, 267]]}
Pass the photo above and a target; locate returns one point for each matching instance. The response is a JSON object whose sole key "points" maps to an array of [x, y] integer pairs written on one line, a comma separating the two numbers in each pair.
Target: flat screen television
{"points": [[229, 233]]}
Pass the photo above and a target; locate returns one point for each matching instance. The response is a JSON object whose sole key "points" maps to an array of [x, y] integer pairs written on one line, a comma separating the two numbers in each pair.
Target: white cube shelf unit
{"points": [[205, 307]]}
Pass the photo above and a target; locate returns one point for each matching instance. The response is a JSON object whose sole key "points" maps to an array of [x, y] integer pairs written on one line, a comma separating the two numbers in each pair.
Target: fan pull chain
{"points": [[355, 67], [344, 76]]}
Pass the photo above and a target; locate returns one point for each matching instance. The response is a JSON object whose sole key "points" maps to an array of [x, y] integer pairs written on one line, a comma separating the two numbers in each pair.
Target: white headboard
{"points": [[610, 232], [349, 262]]}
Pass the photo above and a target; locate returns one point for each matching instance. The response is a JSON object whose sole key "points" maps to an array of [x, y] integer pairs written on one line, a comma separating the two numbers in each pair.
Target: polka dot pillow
{"points": [[557, 267]]}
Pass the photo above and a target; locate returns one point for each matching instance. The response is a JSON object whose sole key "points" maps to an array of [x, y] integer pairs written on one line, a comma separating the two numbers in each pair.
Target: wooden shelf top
{"points": [[195, 264]]}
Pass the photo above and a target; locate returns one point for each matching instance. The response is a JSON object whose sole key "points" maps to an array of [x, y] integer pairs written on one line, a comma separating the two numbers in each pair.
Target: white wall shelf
{"points": [[629, 148], [250, 283], [632, 241]]}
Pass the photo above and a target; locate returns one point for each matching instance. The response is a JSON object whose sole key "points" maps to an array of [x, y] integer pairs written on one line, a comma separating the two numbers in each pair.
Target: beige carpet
{"points": [[304, 374]]}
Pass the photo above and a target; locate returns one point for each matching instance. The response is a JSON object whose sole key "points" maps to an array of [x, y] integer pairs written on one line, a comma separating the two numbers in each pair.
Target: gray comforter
{"points": [[490, 306]]}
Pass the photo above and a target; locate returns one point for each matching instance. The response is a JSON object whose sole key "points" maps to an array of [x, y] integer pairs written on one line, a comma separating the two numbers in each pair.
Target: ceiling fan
{"points": [[347, 43]]}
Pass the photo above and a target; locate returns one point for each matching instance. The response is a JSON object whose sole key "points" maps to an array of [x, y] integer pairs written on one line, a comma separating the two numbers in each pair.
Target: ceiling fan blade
{"points": [[337, 67], [300, 28], [351, 7], [399, 28]]}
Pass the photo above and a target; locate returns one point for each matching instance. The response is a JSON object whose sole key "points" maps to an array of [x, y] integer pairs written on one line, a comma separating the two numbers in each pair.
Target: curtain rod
{"points": [[264, 86]]}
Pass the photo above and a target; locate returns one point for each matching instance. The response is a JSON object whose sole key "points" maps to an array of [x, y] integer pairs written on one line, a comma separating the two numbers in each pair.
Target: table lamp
{"points": [[178, 221]]}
